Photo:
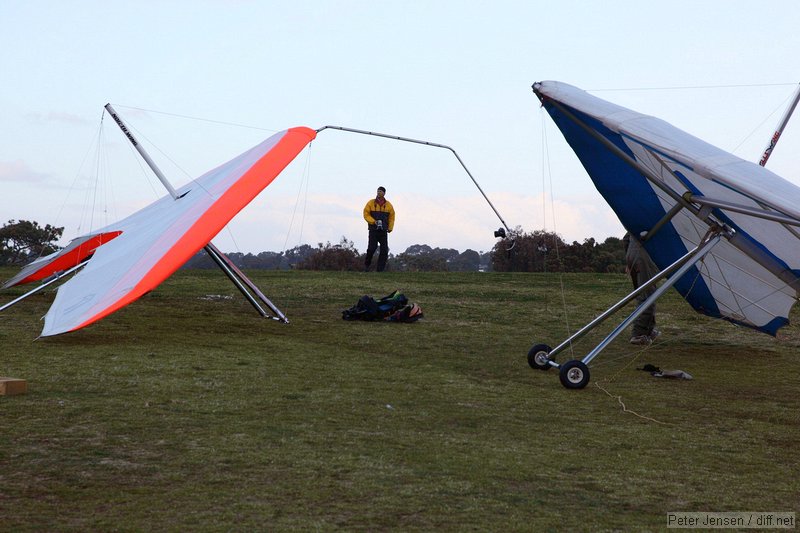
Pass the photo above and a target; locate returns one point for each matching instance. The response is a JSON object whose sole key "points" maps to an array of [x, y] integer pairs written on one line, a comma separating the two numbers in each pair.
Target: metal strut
{"points": [[682, 265], [426, 143], [237, 277], [673, 272], [55, 277], [781, 126]]}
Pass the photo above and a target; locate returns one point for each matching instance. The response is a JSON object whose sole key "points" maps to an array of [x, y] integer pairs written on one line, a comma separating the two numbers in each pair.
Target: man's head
{"points": [[381, 191]]}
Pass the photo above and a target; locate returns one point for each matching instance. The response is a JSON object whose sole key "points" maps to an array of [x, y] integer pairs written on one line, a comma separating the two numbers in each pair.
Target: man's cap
{"points": [[382, 189]]}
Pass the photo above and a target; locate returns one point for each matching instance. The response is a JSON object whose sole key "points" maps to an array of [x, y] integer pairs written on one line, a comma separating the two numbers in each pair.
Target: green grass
{"points": [[185, 414]]}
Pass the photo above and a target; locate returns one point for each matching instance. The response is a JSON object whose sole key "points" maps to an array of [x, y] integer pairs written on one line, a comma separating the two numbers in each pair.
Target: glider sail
{"points": [[671, 188], [154, 242], [71, 255]]}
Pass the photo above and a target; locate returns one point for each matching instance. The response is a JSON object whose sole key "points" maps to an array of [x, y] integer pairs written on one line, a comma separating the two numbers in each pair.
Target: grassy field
{"points": [[189, 413]]}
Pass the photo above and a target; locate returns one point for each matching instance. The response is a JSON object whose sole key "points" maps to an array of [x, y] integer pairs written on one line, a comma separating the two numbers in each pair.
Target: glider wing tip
{"points": [[774, 325], [312, 134]]}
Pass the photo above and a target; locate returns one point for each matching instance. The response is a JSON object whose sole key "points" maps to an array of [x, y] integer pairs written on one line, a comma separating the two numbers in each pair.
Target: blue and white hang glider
{"points": [[723, 231]]}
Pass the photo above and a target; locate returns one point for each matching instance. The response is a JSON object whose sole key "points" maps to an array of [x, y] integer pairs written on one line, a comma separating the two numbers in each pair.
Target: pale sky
{"points": [[452, 72]]}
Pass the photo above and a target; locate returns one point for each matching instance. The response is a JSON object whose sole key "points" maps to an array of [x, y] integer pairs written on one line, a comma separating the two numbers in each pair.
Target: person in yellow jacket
{"points": [[379, 215]]}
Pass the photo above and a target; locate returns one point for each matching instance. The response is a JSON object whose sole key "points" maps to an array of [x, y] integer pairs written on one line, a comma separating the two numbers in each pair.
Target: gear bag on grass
{"points": [[369, 309], [409, 313]]}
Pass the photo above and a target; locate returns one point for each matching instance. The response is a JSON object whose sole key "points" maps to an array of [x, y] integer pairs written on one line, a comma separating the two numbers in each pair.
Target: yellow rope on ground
{"points": [[619, 398], [626, 410]]}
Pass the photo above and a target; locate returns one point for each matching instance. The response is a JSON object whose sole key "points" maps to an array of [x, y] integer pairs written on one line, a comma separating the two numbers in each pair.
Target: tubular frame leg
{"points": [[697, 254], [234, 270], [629, 298]]}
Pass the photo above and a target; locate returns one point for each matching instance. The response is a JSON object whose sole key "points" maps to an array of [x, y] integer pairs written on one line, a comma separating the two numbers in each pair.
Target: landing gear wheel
{"points": [[538, 357], [574, 374]]}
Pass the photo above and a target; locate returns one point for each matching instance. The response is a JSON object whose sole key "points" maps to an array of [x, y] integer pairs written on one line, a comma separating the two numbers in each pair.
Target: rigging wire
{"points": [[73, 185], [688, 87], [96, 186], [109, 188], [305, 177], [86, 217], [192, 179], [547, 173], [779, 107], [141, 135], [200, 119]]}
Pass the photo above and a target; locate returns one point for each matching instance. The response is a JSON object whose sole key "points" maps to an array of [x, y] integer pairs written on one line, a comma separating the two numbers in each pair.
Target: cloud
{"points": [[19, 171], [57, 117]]}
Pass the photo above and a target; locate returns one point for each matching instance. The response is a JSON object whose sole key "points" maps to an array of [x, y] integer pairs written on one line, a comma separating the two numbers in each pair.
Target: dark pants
{"points": [[642, 269], [377, 237], [644, 323]]}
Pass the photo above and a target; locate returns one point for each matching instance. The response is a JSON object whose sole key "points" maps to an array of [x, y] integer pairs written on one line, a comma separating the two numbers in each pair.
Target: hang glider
{"points": [[130, 258], [76, 252], [724, 231]]}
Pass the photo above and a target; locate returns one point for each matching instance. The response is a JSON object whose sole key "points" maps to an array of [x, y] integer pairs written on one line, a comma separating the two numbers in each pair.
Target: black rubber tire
{"points": [[574, 374], [537, 356]]}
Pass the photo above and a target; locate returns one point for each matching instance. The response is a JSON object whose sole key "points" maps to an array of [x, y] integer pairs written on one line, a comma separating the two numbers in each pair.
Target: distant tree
{"points": [[270, 261], [589, 256], [467, 261], [610, 256], [342, 256], [200, 260], [486, 262], [577, 257], [406, 262], [418, 249], [298, 253], [539, 251], [23, 241], [542, 251], [421, 257]]}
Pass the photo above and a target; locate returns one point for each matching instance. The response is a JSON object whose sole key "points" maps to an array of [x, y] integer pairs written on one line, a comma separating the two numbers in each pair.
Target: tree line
{"points": [[538, 251]]}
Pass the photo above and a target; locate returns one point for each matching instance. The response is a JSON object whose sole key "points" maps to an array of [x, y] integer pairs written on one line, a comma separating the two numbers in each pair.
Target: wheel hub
{"points": [[575, 375]]}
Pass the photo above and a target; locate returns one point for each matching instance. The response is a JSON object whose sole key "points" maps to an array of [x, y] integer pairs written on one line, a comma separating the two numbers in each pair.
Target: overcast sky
{"points": [[200, 81]]}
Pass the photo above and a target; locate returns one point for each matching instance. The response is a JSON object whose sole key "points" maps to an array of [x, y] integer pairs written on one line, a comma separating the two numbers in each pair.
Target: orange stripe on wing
{"points": [[253, 181], [71, 258]]}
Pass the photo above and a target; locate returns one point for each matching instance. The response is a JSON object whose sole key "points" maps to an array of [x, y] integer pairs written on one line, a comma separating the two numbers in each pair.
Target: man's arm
{"points": [[368, 213]]}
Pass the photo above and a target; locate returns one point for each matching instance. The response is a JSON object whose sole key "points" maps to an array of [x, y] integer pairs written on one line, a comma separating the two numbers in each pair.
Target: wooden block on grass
{"points": [[11, 386]]}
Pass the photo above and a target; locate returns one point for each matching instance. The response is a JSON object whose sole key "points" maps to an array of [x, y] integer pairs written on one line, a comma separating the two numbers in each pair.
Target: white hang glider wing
{"points": [[148, 246], [671, 188]]}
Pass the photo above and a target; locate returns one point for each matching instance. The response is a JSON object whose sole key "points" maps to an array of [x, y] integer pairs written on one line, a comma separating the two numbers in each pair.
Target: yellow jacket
{"points": [[374, 212]]}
